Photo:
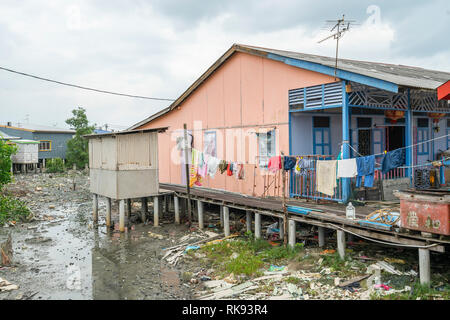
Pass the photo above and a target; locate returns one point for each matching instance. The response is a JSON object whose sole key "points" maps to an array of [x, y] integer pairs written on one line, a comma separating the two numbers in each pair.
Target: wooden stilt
{"points": [[281, 227], [321, 236], [108, 212], [95, 208], [291, 233], [221, 215], [341, 243], [122, 215], [156, 208], [176, 205], [424, 266], [226, 221], [144, 209], [200, 214], [257, 226], [248, 221]]}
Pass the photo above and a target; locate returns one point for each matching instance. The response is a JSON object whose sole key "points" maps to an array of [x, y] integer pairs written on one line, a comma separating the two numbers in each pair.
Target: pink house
{"points": [[254, 103]]}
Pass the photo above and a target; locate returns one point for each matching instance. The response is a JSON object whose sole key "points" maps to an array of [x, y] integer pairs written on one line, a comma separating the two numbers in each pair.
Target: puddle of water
{"points": [[85, 263]]}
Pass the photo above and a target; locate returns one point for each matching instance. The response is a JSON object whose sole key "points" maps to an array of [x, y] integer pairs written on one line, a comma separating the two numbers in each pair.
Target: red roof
{"points": [[443, 91]]}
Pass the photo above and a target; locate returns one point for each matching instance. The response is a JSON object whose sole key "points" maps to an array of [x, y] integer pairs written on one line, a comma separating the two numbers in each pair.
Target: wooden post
{"points": [[144, 209], [95, 209], [321, 236], [176, 205], [248, 221], [108, 212], [291, 233], [122, 215], [156, 208], [200, 214], [226, 221], [341, 243], [166, 204], [424, 266], [257, 226], [281, 228], [188, 189], [286, 216], [128, 208], [221, 216]]}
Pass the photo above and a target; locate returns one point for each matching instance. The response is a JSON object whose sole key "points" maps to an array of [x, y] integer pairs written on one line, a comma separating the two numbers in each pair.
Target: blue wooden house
{"points": [[52, 140]]}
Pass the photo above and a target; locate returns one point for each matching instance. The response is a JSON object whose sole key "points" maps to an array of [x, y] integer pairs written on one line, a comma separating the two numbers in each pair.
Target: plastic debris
{"points": [[273, 268], [393, 260], [382, 286], [5, 285], [328, 251], [155, 235], [191, 248]]}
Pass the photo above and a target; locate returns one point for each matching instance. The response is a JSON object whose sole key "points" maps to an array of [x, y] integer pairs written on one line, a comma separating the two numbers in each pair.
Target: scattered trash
{"points": [[5, 285], [328, 251], [387, 267], [188, 248], [273, 268], [205, 278], [294, 290], [352, 282], [382, 286], [273, 228], [393, 260], [155, 235]]}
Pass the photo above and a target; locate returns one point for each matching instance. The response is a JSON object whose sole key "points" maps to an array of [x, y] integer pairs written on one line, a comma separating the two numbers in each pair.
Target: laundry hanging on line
{"points": [[274, 164], [289, 162], [326, 176], [393, 159], [347, 168], [366, 169]]}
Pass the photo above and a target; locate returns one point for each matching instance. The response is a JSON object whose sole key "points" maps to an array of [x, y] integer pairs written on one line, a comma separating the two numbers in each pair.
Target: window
{"points": [[423, 135], [266, 146], [210, 143], [45, 145], [321, 136], [422, 122], [364, 122]]}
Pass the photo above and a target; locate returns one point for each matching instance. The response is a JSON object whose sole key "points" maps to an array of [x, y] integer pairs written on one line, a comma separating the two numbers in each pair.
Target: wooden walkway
{"points": [[329, 215]]}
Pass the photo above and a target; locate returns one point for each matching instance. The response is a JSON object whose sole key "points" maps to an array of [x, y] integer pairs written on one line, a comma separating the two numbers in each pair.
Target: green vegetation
{"points": [[55, 165], [13, 210], [6, 151], [77, 147], [246, 256]]}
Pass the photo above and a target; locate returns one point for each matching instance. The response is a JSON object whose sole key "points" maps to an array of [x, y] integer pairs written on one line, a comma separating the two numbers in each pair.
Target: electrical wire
{"points": [[83, 87]]}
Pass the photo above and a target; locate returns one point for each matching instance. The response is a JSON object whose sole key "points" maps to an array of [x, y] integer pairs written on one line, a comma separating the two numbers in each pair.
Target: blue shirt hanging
{"points": [[366, 168], [393, 159], [289, 163]]}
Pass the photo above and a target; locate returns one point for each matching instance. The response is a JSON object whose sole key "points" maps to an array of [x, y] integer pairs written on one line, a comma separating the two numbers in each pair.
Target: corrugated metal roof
{"points": [[89, 136], [38, 128], [6, 136], [401, 75], [406, 76], [25, 141]]}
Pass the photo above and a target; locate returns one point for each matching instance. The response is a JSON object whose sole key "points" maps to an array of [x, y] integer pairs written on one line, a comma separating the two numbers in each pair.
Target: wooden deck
{"points": [[328, 215]]}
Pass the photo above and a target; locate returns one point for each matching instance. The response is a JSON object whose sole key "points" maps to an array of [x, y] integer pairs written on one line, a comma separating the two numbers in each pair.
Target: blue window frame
{"points": [[321, 135], [423, 134], [447, 133]]}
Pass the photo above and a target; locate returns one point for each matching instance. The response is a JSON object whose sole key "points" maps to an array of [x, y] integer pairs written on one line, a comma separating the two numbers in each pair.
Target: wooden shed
{"points": [[124, 165], [26, 156]]}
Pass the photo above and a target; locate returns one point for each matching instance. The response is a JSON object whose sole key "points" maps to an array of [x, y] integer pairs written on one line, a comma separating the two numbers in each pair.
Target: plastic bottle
{"points": [[350, 211]]}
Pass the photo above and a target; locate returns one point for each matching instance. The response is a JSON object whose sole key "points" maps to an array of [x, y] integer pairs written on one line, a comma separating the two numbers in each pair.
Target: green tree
{"points": [[6, 151], [77, 147]]}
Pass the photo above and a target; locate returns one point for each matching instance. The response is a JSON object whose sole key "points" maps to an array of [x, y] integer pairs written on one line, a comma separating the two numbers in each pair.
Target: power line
{"points": [[85, 88]]}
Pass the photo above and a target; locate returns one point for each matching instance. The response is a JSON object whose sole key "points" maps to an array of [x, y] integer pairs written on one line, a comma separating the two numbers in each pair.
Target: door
{"points": [[321, 136]]}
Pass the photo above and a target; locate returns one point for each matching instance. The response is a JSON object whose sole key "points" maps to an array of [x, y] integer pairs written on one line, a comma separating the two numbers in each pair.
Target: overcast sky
{"points": [[158, 48]]}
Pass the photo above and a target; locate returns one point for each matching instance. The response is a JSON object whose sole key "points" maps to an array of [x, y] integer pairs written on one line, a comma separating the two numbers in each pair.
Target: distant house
{"points": [[52, 140], [5, 136]]}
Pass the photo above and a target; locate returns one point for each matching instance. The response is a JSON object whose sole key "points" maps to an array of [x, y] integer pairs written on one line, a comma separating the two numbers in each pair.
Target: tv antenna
{"points": [[341, 26]]}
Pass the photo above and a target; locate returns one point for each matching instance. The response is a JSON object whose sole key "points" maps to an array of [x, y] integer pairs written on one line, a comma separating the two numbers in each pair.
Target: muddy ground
{"points": [[61, 255]]}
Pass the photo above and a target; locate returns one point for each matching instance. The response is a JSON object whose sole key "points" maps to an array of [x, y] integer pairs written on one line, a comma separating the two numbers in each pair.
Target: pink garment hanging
{"points": [[274, 164]]}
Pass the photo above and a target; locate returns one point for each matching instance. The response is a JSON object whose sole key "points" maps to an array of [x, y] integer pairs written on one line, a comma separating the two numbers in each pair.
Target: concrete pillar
{"points": [[176, 205], [291, 233], [281, 227], [424, 266], [221, 215], [321, 236], [341, 243], [74, 166], [43, 162], [226, 221], [122, 215], [128, 208], [95, 208], [108, 212], [156, 209], [248, 221], [200, 214], [144, 209], [257, 226]]}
